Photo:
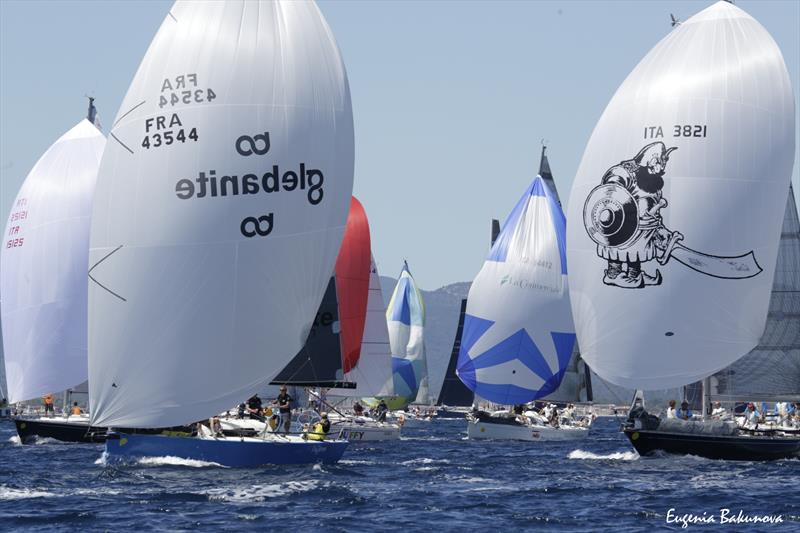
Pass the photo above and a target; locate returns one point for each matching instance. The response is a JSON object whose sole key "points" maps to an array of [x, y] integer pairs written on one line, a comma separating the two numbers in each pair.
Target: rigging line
{"points": [[173, 16], [95, 266], [120, 142], [128, 112]]}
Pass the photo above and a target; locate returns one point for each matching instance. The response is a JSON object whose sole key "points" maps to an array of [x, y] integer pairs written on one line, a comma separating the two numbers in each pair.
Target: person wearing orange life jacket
{"points": [[76, 410], [49, 405]]}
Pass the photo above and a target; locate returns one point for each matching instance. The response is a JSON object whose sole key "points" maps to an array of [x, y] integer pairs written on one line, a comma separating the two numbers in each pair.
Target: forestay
{"points": [[676, 208], [44, 257], [518, 332], [220, 208]]}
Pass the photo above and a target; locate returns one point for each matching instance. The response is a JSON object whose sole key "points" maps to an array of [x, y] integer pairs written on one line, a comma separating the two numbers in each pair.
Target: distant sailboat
{"points": [[43, 279], [220, 207], [672, 259]]}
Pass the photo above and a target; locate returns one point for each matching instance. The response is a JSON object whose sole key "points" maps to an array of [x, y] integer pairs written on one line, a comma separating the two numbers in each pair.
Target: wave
{"points": [[259, 493], [7, 493], [615, 456], [15, 440], [355, 462], [169, 460], [425, 461]]}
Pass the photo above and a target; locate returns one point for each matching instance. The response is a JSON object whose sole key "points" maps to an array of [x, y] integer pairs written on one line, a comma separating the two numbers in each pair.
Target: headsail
{"points": [[518, 333], [220, 207], [44, 257], [373, 373], [405, 317], [672, 259]]}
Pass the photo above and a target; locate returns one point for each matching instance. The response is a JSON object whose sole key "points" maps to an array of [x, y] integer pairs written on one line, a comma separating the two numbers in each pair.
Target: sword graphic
{"points": [[736, 267]]}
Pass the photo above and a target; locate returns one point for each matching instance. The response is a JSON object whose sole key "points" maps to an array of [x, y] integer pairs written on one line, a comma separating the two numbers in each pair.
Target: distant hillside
{"points": [[442, 306]]}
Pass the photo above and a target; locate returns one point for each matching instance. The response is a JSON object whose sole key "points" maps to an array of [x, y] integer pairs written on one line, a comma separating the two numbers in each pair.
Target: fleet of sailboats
{"points": [[212, 247]]}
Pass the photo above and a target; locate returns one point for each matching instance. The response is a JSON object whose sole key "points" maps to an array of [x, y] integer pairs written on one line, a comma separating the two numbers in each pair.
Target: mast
{"points": [[91, 114]]}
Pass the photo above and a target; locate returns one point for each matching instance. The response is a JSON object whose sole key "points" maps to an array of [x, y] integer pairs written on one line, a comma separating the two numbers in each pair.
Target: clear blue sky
{"points": [[451, 99]]}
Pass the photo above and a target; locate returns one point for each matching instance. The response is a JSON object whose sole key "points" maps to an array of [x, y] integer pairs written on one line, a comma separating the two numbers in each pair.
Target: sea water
{"points": [[433, 479]]}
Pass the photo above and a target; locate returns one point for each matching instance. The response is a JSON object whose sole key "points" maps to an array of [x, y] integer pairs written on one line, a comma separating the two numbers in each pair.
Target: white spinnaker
{"points": [[718, 88], [373, 373], [194, 310], [43, 277]]}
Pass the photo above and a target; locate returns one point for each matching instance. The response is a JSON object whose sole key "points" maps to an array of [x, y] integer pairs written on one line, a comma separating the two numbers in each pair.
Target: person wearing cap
{"points": [[684, 413], [284, 403]]}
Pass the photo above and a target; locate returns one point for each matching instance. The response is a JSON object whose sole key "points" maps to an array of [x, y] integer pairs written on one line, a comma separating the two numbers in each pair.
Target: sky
{"points": [[451, 99]]}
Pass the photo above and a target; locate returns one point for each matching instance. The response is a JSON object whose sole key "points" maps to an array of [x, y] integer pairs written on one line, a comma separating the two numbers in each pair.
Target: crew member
{"points": [[75, 409], [380, 411], [358, 409], [284, 403], [671, 409], [684, 413], [254, 407], [49, 406], [321, 428]]}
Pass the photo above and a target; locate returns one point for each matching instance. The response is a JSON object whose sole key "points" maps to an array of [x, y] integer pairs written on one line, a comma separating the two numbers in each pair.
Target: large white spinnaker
{"points": [[675, 212], [405, 318], [43, 275], [518, 334], [220, 206]]}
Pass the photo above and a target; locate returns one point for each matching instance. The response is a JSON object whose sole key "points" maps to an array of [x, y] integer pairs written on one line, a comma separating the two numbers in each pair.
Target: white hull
{"points": [[376, 431], [533, 433]]}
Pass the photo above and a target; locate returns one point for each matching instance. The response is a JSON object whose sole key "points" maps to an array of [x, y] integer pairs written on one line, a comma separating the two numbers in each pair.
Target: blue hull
{"points": [[229, 452]]}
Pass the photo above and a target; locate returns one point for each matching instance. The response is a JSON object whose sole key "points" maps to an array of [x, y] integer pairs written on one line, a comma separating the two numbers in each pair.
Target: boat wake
{"points": [[15, 440], [169, 460], [424, 461], [616, 456], [260, 493], [7, 493]]}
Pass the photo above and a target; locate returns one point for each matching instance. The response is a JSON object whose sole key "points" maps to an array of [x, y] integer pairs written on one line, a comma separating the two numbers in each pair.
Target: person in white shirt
{"points": [[671, 409], [718, 411]]}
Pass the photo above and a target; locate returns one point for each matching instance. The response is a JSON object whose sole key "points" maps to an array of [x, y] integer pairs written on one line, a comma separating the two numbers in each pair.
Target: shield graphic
{"points": [[610, 215]]}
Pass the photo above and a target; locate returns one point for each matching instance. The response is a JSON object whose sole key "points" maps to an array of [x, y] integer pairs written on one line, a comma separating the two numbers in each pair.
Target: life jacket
{"points": [[317, 433]]}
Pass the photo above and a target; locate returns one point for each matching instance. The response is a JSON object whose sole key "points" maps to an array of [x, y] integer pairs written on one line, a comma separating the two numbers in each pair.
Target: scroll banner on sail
{"points": [[676, 208], [220, 207], [518, 333], [405, 317], [44, 257]]}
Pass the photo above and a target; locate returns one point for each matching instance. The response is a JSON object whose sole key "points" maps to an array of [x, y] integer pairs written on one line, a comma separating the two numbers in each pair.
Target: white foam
{"points": [[616, 456], [259, 493], [169, 460], [15, 440], [7, 493], [102, 460], [425, 461], [355, 462]]}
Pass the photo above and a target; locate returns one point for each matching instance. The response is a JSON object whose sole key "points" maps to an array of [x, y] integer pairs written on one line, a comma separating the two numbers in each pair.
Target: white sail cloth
{"points": [[220, 207], [373, 373], [518, 333], [676, 208], [43, 275]]}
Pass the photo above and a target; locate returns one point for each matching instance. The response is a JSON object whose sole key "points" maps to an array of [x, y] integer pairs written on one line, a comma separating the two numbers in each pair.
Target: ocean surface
{"points": [[434, 479]]}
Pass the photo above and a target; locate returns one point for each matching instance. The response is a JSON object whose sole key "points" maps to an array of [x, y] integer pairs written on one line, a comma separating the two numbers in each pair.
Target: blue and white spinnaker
{"points": [[518, 331], [405, 317]]}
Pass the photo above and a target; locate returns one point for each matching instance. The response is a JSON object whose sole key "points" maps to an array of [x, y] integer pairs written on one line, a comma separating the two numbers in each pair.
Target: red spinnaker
{"points": [[352, 283]]}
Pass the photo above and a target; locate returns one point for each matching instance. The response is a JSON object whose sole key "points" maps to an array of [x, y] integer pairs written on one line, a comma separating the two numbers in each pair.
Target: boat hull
{"points": [[477, 429], [30, 429], [231, 452], [369, 432], [735, 448]]}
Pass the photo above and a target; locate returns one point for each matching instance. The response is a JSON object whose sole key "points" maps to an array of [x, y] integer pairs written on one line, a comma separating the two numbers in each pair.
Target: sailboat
{"points": [[405, 318], [673, 260], [518, 333], [43, 280], [220, 206]]}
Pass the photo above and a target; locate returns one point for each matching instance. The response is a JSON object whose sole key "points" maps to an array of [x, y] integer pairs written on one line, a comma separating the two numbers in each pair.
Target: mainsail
{"points": [[771, 371], [518, 333], [454, 393], [220, 206], [44, 257], [405, 318], [673, 217], [334, 342]]}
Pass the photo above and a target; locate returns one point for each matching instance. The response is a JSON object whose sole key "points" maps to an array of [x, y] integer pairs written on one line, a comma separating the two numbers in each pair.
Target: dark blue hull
{"points": [[736, 448], [232, 452]]}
